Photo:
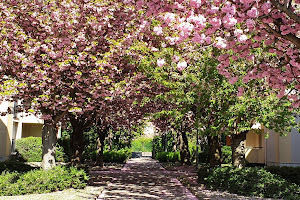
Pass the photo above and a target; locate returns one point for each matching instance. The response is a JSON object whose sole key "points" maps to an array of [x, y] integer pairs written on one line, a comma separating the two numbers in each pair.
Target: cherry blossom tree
{"points": [[61, 55], [240, 28]]}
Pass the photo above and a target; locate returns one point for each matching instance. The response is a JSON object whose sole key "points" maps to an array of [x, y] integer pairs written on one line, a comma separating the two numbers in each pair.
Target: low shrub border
{"points": [[40, 181], [116, 156], [291, 174], [250, 181], [168, 156]]}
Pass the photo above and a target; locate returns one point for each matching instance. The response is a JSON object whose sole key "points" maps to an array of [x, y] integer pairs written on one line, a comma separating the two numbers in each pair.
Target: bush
{"points": [[162, 143], [168, 156], [116, 156], [291, 174], [30, 149], [252, 181], [142, 144], [226, 154], [40, 181]]}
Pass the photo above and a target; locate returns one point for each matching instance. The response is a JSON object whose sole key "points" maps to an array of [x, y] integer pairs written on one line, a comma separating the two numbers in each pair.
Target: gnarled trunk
{"points": [[214, 150], [238, 149], [49, 139], [185, 157], [76, 142]]}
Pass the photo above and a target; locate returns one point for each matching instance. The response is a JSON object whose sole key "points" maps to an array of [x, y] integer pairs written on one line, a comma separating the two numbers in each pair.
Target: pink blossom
{"points": [[169, 17], [161, 62], [175, 58], [247, 1], [215, 22], [199, 20], [238, 32], [240, 91], [253, 12], [207, 39], [229, 21], [157, 30], [242, 38], [229, 9], [234, 57], [213, 10], [246, 79], [221, 43], [181, 65], [266, 7], [233, 80], [198, 39], [250, 23], [195, 3]]}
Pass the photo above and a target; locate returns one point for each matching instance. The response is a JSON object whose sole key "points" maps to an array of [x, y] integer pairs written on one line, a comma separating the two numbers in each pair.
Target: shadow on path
{"points": [[141, 178]]}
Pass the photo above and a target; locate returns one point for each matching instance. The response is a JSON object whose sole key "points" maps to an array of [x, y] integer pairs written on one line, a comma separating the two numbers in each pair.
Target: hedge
{"points": [[168, 156], [41, 181], [30, 149], [251, 181]]}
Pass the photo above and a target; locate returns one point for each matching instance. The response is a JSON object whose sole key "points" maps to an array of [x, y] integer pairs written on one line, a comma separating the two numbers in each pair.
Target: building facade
{"points": [[15, 126]]}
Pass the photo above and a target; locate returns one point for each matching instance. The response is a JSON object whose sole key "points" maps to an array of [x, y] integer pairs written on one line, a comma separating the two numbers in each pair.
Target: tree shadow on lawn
{"points": [[17, 166]]}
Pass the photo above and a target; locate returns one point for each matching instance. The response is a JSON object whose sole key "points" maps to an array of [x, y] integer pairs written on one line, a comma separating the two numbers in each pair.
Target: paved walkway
{"points": [[141, 178]]}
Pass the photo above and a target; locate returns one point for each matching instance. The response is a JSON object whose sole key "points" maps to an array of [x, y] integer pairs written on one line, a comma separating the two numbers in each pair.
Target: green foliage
{"points": [[162, 143], [41, 181], [168, 156], [226, 154], [142, 144], [291, 174], [64, 146], [252, 181], [30, 149], [119, 156], [115, 141]]}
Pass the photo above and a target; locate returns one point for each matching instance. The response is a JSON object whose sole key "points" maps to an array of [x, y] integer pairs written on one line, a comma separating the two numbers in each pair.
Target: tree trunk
{"points": [[214, 150], [100, 147], [49, 142], [238, 149], [77, 142], [185, 157]]}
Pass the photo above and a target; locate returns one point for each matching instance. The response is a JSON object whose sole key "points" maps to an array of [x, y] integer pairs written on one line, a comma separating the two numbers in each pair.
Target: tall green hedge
{"points": [[30, 149]]}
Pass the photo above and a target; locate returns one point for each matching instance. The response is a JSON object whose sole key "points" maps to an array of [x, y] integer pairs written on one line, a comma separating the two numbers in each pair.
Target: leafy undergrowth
{"points": [[40, 181], [250, 181]]}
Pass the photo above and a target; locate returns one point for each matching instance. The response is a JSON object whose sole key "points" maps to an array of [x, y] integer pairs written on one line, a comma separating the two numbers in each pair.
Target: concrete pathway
{"points": [[141, 178]]}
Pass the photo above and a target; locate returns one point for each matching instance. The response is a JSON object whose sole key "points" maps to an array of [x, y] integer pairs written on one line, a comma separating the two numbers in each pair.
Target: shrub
{"points": [[116, 156], [168, 156], [142, 144], [226, 154], [291, 174], [252, 181], [162, 143], [40, 181], [30, 149]]}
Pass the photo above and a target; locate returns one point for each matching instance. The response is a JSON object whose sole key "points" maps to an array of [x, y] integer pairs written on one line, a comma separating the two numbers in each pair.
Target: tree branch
{"points": [[290, 37], [287, 10]]}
